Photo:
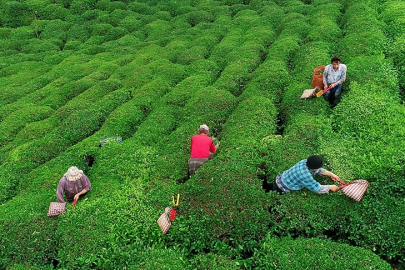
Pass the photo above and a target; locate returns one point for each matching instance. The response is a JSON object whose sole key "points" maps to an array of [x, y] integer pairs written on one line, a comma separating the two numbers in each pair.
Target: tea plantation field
{"points": [[73, 72]]}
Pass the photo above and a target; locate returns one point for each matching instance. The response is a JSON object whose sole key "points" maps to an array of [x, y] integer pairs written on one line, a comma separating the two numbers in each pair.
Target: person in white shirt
{"points": [[333, 76]]}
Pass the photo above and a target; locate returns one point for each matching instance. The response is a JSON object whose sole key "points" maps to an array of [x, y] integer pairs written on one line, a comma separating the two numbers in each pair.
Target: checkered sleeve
{"points": [[310, 183]]}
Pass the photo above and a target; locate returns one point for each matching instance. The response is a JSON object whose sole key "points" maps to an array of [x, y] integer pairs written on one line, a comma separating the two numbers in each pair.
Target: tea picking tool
{"points": [[175, 205], [74, 202], [320, 93]]}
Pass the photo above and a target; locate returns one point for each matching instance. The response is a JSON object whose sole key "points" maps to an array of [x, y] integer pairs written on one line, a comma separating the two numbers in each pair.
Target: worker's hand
{"points": [[325, 87], [77, 196], [332, 85], [335, 177], [334, 188]]}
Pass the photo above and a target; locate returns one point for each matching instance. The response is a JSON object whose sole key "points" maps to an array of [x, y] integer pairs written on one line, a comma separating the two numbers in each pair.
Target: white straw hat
{"points": [[73, 174]]}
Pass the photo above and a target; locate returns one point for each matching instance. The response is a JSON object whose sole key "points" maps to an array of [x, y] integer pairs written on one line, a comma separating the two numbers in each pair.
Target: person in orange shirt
{"points": [[201, 147]]}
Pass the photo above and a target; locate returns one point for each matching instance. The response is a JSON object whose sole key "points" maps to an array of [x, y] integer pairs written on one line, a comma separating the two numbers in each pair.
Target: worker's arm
{"points": [[213, 148], [325, 189], [59, 191], [87, 186], [80, 193], [330, 174]]}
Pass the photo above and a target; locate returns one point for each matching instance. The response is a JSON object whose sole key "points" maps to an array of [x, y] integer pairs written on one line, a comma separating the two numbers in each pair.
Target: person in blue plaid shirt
{"points": [[300, 176]]}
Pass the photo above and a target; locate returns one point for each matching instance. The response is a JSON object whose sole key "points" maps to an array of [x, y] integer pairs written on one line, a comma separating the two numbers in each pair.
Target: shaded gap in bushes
{"points": [[263, 175], [184, 179], [90, 160], [280, 121], [402, 93], [55, 263], [396, 262]]}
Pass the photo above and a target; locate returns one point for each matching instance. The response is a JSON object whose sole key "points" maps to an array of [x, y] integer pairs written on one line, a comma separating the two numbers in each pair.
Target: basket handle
{"points": [[340, 181]]}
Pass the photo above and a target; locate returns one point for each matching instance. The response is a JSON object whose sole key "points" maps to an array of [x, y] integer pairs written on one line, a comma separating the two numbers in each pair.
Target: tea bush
{"points": [[146, 97], [249, 55], [193, 54], [398, 56], [17, 120], [246, 19], [391, 14], [310, 55], [214, 261], [35, 244], [208, 38], [55, 29], [162, 68], [55, 12], [131, 23], [34, 130], [326, 29], [314, 254], [204, 67], [196, 17], [115, 6], [253, 123], [158, 29], [210, 106], [183, 91], [300, 140], [227, 44], [59, 92], [38, 46], [15, 14], [269, 80], [395, 20], [123, 121], [294, 24], [159, 123], [17, 76], [272, 14], [174, 48], [142, 8], [80, 7]]}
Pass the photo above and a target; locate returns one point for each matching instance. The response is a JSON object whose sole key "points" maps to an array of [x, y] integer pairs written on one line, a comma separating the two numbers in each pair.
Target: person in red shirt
{"points": [[201, 147]]}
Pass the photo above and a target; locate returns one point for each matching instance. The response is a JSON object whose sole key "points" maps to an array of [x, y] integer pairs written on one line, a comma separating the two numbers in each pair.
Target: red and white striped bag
{"points": [[56, 208], [164, 220], [355, 189]]}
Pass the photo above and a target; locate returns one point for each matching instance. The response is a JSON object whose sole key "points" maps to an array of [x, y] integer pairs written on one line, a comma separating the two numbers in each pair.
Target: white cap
{"points": [[204, 126]]}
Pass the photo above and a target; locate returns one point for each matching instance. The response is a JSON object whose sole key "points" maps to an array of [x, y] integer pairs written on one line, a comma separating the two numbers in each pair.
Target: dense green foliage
{"points": [[75, 72]]}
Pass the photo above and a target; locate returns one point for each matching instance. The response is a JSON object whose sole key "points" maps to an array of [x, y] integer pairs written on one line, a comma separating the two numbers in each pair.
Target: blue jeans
{"points": [[332, 94]]}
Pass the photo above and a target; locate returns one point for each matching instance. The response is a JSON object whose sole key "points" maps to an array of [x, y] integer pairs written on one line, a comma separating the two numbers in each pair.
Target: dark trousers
{"points": [[333, 94], [276, 188], [272, 186]]}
